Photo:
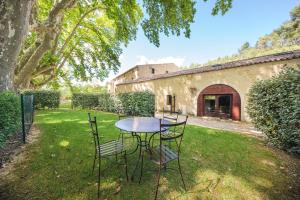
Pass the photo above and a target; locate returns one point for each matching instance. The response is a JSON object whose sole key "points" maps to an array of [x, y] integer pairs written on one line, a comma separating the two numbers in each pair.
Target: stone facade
{"points": [[142, 71], [188, 85]]}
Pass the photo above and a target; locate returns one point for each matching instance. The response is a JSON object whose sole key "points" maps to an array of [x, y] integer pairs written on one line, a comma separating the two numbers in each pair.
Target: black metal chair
{"points": [[171, 116], [162, 154], [109, 148]]}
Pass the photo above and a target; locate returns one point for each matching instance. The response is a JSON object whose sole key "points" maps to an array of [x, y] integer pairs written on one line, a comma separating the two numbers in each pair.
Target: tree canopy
{"points": [[82, 39]]}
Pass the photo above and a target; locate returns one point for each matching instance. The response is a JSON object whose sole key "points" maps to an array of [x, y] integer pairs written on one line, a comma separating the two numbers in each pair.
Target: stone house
{"points": [[215, 90], [141, 71]]}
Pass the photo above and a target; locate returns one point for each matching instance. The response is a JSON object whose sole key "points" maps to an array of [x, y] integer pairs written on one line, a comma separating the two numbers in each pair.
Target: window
{"points": [[153, 71], [169, 99], [210, 103], [167, 72]]}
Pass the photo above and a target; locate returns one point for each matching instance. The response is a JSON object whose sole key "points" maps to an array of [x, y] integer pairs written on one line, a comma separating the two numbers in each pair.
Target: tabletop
{"points": [[140, 124]]}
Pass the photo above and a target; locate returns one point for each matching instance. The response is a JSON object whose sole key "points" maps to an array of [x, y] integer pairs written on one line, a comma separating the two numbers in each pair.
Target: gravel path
{"points": [[228, 125]]}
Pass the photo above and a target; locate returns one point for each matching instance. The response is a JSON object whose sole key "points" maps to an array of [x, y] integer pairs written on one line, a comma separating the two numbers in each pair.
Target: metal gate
{"points": [[27, 110]]}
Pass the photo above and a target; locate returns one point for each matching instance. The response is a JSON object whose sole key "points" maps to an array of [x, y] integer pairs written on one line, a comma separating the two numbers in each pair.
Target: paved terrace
{"points": [[228, 125]]}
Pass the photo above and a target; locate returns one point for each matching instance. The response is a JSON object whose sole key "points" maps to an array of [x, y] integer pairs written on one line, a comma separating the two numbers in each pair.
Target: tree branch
{"points": [[52, 22], [74, 29]]}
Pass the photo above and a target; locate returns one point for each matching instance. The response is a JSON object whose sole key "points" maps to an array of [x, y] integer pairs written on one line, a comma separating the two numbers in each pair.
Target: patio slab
{"points": [[222, 124]]}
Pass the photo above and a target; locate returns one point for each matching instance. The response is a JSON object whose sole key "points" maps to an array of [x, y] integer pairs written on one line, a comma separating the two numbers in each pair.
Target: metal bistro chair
{"points": [[163, 154], [171, 116], [109, 148]]}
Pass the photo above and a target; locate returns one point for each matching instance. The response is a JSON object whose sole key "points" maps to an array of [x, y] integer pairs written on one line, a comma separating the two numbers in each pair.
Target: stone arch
{"points": [[221, 89]]}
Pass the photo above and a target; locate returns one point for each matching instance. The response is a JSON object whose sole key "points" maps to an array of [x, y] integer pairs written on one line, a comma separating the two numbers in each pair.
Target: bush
{"points": [[107, 103], [137, 103], [10, 115], [45, 98], [274, 107], [85, 100], [133, 103]]}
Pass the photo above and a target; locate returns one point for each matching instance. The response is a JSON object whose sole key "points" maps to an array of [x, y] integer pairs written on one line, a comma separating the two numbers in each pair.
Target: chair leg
{"points": [[157, 185], [179, 167], [99, 168], [95, 157], [126, 169]]}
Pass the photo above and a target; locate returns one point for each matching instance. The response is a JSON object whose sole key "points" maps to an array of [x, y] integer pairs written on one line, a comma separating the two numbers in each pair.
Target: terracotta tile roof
{"points": [[240, 63]]}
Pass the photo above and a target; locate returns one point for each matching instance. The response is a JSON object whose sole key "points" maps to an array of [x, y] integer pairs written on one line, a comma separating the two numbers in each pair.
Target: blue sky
{"points": [[211, 36]]}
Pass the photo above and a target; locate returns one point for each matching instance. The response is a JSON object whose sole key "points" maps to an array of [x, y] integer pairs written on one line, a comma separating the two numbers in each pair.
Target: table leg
{"points": [[140, 154]]}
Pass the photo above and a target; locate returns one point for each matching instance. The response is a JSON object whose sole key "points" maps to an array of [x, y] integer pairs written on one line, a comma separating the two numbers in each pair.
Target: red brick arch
{"points": [[221, 89]]}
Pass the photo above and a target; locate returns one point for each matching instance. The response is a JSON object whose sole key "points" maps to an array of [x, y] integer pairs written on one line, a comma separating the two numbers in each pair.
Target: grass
{"points": [[216, 164]]}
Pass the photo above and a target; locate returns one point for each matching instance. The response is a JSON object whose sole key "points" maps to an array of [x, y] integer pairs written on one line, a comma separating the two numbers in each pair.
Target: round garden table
{"points": [[139, 127]]}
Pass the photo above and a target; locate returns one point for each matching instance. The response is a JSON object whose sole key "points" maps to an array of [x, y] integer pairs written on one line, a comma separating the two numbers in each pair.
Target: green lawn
{"points": [[216, 165]]}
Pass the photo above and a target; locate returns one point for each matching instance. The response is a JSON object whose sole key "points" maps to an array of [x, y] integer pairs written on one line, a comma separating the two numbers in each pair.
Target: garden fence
{"points": [[27, 110]]}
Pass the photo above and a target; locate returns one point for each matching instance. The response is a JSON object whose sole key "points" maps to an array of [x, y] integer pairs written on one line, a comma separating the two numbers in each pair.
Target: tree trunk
{"points": [[14, 22]]}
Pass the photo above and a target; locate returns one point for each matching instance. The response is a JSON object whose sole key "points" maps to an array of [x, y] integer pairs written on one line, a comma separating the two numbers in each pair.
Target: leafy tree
{"points": [[244, 47], [83, 38]]}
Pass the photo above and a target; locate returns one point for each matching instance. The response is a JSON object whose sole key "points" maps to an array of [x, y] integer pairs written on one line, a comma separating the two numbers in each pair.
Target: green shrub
{"points": [[45, 98], [10, 115], [107, 103], [85, 100], [137, 103], [274, 107], [133, 103]]}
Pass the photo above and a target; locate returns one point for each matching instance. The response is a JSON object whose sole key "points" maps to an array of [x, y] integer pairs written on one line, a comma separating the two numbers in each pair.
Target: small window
{"points": [[167, 72], [169, 99], [153, 71]]}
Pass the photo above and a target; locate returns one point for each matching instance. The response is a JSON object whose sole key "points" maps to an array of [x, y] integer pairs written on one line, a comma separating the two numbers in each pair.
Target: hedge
{"points": [[107, 102], [10, 115], [45, 98], [137, 103], [85, 100], [134, 103], [274, 108]]}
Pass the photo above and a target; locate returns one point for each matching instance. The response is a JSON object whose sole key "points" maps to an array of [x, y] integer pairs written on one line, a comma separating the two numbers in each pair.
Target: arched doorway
{"points": [[219, 100]]}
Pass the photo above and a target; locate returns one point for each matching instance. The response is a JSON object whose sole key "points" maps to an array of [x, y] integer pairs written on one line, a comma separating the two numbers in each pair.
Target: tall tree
{"points": [[14, 22], [83, 38]]}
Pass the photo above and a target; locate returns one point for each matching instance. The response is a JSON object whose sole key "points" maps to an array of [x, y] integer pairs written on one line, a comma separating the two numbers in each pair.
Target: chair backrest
{"points": [[176, 130], [94, 130], [168, 115]]}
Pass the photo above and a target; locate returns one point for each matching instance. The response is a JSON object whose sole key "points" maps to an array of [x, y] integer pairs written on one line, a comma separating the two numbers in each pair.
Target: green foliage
{"points": [[92, 33], [273, 106], [107, 103], [244, 47], [137, 103], [85, 100], [88, 89], [10, 115], [133, 103], [45, 98]]}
